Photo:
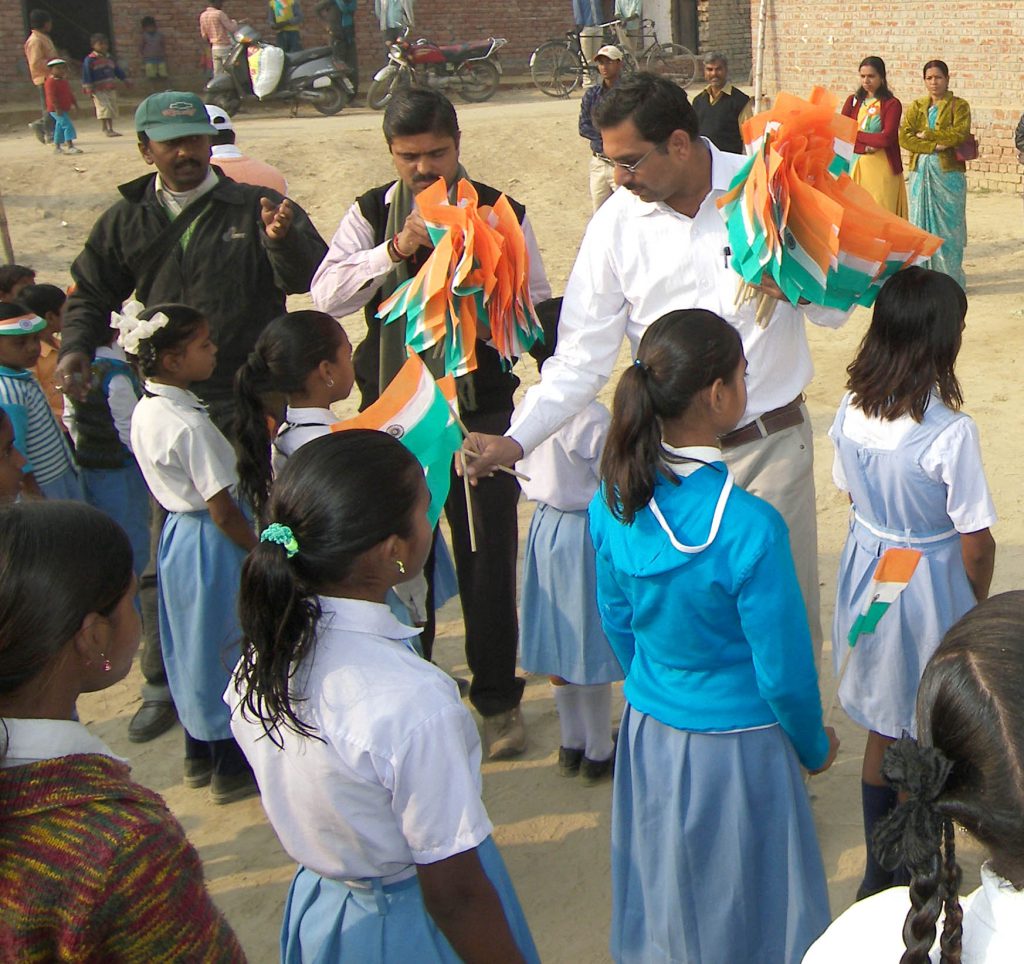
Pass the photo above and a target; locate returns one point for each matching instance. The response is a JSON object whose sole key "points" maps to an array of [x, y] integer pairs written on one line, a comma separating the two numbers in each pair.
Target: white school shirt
{"points": [[564, 469], [397, 781], [184, 458], [121, 400], [637, 262], [872, 929], [953, 458], [355, 265], [301, 425], [31, 741]]}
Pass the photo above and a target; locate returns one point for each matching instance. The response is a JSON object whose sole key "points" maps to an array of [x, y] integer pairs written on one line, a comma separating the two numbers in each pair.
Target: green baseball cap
{"points": [[172, 114]]}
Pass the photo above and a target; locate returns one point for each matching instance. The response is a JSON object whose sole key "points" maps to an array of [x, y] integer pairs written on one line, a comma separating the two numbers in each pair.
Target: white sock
{"points": [[595, 707], [570, 717]]}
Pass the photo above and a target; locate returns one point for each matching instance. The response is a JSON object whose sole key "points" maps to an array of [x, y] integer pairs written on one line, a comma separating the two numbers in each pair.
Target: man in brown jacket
{"points": [[39, 51]]}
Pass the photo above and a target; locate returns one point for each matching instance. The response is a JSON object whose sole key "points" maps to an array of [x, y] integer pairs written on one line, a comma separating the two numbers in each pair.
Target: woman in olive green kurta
{"points": [[932, 129]]}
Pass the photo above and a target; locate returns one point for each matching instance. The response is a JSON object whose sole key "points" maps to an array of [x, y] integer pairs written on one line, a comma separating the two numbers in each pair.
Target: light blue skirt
{"points": [[879, 690], [66, 486], [714, 854], [198, 573], [560, 629], [122, 495], [446, 580], [325, 921]]}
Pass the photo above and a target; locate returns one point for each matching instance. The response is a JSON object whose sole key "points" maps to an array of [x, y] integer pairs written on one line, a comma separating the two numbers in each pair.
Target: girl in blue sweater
{"points": [[714, 855]]}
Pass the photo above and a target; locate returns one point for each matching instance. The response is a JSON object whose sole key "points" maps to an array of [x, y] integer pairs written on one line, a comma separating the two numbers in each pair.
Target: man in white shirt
{"points": [[658, 246], [381, 241]]}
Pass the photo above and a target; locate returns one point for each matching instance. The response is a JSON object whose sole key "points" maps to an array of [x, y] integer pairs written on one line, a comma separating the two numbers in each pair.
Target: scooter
{"points": [[257, 69], [473, 68]]}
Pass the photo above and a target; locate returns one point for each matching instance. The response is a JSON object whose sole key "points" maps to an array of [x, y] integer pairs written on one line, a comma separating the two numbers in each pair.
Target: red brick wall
{"points": [[524, 23], [725, 28], [823, 42]]}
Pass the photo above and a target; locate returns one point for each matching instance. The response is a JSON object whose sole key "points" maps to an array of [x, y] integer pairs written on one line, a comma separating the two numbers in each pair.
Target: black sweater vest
{"points": [[719, 122]]}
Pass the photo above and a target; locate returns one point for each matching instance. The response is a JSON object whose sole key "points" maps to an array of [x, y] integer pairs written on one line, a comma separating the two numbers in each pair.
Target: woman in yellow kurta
{"points": [[934, 127], [879, 166]]}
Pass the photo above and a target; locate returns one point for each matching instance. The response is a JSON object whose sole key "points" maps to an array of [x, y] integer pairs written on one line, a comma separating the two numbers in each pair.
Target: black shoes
{"points": [[151, 719]]}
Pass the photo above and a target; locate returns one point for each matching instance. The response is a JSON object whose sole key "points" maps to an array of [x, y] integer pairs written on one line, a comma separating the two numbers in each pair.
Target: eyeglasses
{"points": [[631, 168]]}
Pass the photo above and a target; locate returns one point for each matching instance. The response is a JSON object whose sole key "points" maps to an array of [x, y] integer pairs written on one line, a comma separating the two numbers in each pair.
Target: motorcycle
{"points": [[473, 68], [258, 69]]}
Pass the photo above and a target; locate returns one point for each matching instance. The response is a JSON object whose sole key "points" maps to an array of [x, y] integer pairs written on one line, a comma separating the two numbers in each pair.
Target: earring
{"points": [[330, 383], [401, 566], [107, 667]]}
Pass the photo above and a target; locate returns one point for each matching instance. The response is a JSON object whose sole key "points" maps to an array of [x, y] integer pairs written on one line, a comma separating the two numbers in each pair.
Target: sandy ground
{"points": [[553, 832]]}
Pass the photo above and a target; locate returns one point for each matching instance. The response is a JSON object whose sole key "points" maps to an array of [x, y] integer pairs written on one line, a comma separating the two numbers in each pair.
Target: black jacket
{"points": [[229, 270]]}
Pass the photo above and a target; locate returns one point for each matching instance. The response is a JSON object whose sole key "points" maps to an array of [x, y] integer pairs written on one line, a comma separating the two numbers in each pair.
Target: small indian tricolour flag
{"points": [[892, 574], [416, 410]]}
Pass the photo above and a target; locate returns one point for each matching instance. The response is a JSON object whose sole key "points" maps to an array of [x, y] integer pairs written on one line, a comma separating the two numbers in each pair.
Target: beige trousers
{"points": [[602, 181], [780, 470]]}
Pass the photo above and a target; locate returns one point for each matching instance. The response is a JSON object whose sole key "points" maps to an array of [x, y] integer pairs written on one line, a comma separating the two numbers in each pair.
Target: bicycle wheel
{"points": [[673, 62], [629, 64], [556, 70]]}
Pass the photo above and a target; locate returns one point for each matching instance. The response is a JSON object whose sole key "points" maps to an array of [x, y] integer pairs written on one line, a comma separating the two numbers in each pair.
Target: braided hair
{"points": [[966, 769]]}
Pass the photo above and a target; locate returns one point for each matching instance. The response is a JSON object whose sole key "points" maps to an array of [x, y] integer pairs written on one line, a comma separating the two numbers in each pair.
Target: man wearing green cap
{"points": [[185, 234]]}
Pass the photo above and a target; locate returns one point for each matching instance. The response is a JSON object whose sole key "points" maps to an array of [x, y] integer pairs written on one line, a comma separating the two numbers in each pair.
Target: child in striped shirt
{"points": [[49, 469]]}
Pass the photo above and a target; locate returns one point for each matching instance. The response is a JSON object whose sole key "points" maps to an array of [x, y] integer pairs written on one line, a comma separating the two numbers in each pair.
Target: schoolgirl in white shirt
{"points": [[189, 467], [367, 760], [963, 770], [560, 631], [911, 463], [307, 357]]}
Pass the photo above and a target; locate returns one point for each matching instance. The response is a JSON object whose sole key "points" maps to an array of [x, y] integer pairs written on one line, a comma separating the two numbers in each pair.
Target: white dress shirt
{"points": [[301, 425], [355, 266], [872, 929], [637, 262], [176, 201], [564, 469], [953, 459], [183, 456], [396, 781]]}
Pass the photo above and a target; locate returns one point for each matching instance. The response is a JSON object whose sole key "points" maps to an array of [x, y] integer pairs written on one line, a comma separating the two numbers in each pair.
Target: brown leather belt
{"points": [[771, 422]]}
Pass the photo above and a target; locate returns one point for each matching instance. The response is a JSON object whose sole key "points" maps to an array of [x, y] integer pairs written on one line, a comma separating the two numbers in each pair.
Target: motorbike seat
{"points": [[465, 51], [304, 56]]}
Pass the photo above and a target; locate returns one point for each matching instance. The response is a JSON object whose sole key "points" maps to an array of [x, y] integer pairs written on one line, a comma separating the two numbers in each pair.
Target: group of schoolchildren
{"points": [[644, 562], [101, 78]]}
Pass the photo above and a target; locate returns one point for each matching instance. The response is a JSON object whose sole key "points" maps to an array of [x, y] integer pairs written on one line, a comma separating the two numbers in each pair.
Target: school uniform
{"points": [[100, 426], [915, 485], [302, 425], [37, 436], [714, 853], [186, 461], [395, 782], [560, 630]]}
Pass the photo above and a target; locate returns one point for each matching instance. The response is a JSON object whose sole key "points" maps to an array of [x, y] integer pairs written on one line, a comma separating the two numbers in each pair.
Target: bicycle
{"points": [[558, 67]]}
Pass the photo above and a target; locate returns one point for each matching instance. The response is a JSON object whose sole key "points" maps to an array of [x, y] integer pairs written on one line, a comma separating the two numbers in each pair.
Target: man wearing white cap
{"points": [[602, 171], [224, 154]]}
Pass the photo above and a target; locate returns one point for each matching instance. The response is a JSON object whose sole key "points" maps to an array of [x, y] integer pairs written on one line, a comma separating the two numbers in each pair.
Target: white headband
{"points": [[134, 331]]}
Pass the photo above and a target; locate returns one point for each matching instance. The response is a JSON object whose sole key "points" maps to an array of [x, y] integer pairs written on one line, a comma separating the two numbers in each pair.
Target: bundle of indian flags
{"points": [[475, 282], [794, 213]]}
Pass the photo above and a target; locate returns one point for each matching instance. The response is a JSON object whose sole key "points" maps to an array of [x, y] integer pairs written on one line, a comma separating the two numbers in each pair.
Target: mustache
{"points": [[425, 178]]}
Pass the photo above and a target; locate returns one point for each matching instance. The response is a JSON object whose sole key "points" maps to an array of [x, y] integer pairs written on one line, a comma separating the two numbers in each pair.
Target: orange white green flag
{"points": [[892, 574], [416, 410]]}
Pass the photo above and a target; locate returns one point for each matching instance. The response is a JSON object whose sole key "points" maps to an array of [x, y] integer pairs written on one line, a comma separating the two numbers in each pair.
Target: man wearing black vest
{"points": [[720, 107], [381, 241]]}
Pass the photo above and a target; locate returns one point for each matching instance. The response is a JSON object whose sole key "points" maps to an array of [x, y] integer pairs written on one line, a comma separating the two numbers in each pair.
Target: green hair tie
{"points": [[282, 536]]}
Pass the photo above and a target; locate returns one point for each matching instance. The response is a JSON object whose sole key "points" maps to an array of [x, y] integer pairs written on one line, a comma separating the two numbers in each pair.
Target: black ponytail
{"points": [[681, 354], [288, 349], [340, 495]]}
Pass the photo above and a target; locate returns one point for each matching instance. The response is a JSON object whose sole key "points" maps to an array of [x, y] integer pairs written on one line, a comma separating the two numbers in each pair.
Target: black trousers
{"points": [[487, 578]]}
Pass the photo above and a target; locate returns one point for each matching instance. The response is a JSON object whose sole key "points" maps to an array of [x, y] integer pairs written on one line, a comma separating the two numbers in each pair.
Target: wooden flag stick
{"points": [[469, 510], [473, 453], [5, 234]]}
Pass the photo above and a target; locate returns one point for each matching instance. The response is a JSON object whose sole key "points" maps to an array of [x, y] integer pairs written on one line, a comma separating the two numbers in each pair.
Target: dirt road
{"points": [[553, 832]]}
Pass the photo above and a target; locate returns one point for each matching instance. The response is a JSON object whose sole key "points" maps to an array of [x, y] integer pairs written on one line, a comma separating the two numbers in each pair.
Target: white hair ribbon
{"points": [[133, 330]]}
